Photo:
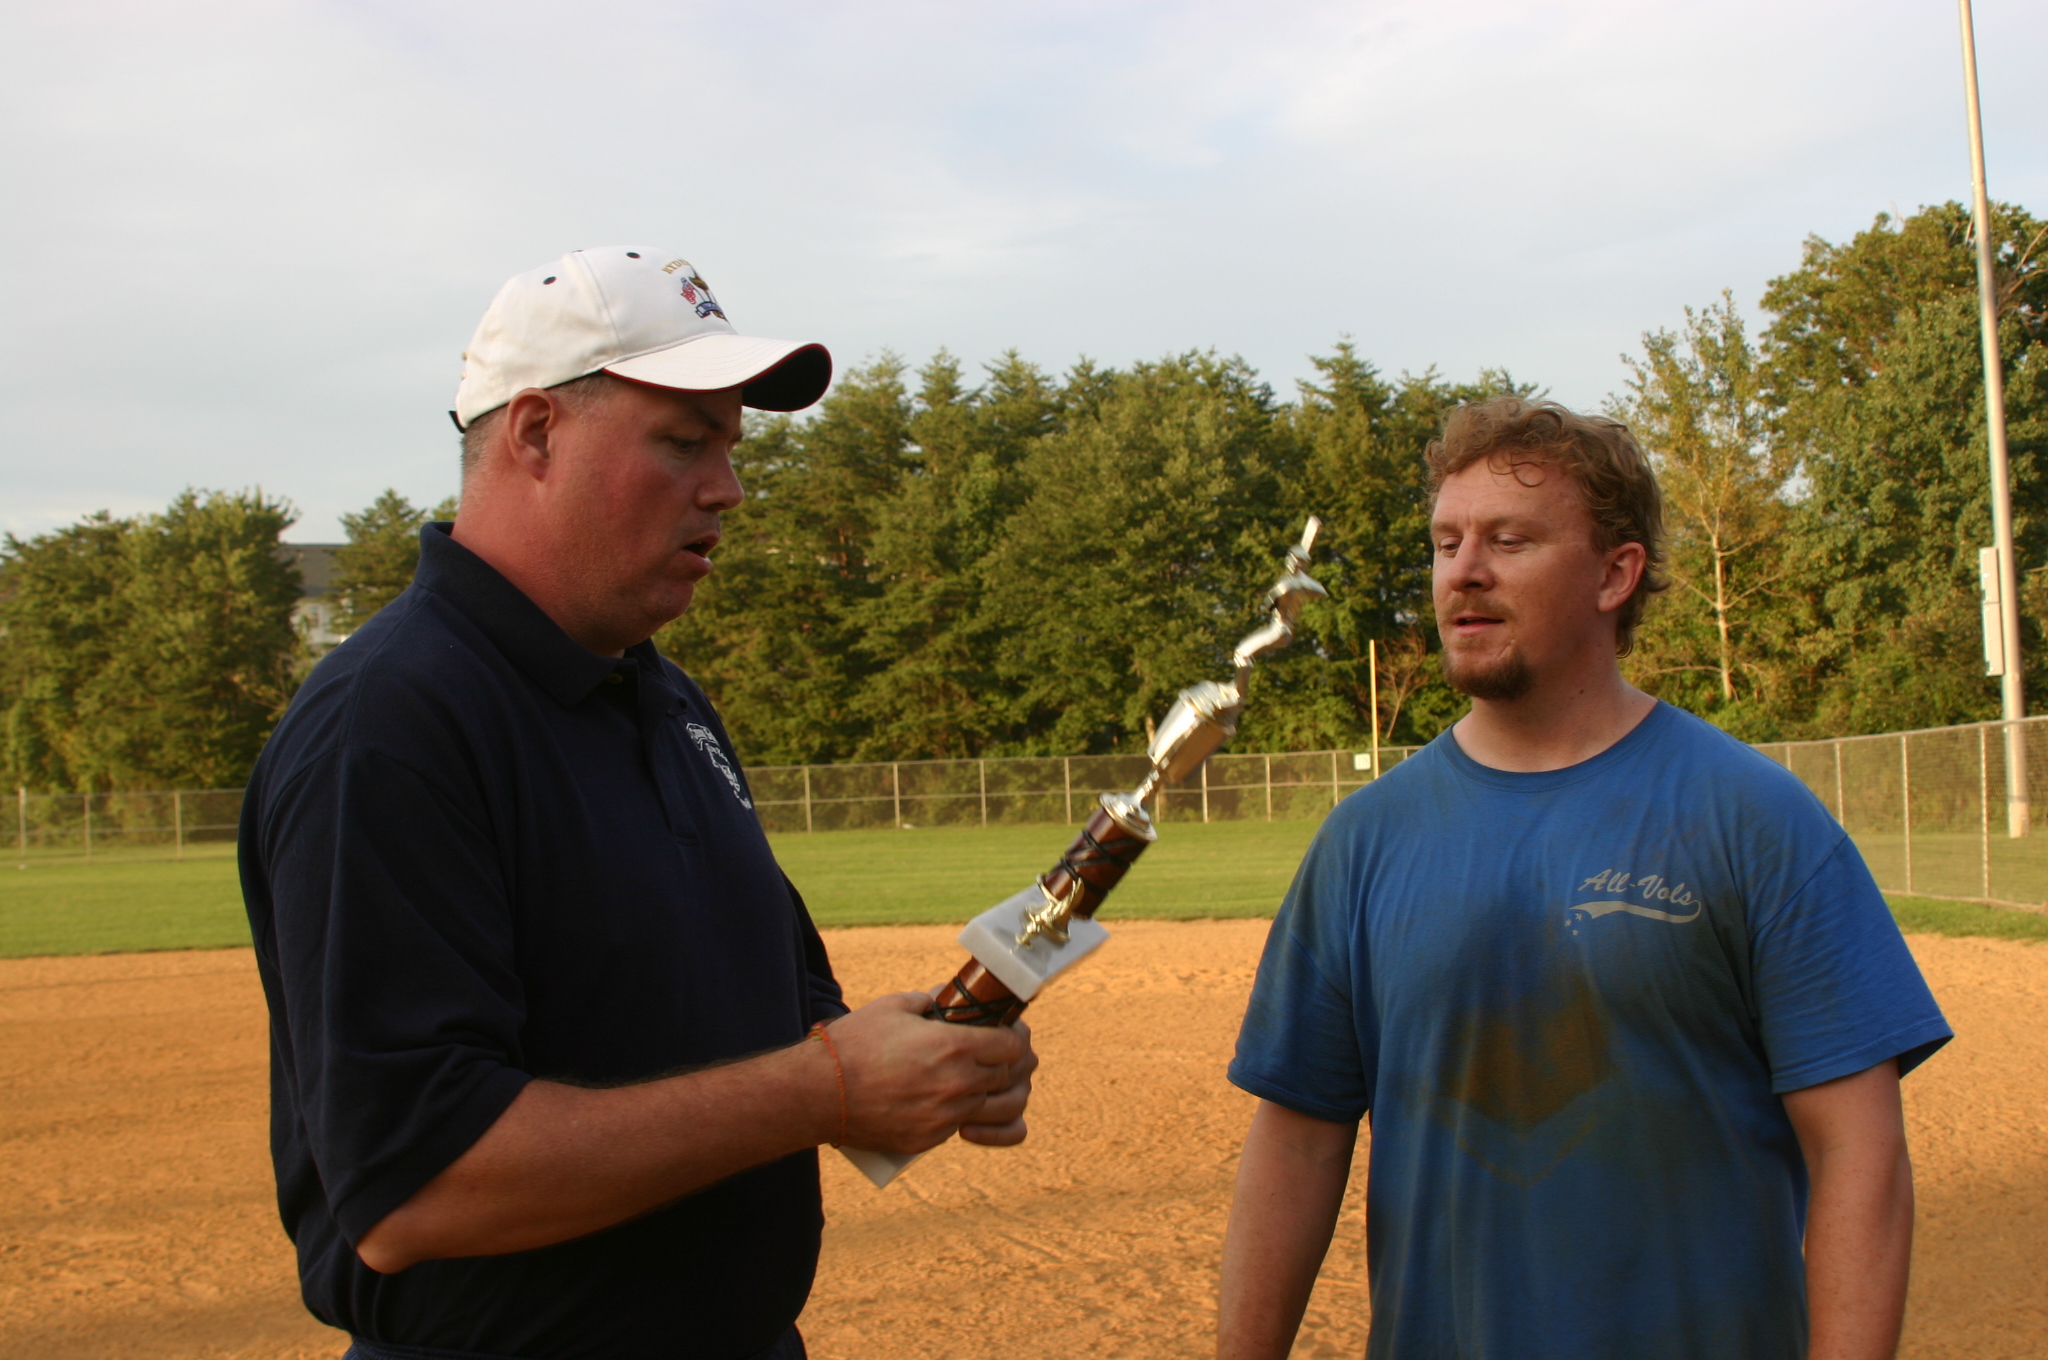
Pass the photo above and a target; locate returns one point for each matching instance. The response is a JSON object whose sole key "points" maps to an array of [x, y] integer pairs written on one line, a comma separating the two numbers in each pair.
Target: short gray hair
{"points": [[577, 392]]}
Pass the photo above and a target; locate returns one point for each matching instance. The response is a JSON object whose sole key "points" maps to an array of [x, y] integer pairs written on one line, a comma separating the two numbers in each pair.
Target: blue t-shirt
{"points": [[1570, 1001]]}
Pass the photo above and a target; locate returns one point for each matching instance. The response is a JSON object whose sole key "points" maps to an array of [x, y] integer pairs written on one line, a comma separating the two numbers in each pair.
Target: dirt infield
{"points": [[136, 1218]]}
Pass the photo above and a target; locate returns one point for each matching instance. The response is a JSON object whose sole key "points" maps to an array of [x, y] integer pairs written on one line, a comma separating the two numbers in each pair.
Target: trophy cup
{"points": [[1024, 941]]}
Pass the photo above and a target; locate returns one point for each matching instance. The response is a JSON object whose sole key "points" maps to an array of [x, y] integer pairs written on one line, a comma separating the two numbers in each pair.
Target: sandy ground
{"points": [[136, 1216]]}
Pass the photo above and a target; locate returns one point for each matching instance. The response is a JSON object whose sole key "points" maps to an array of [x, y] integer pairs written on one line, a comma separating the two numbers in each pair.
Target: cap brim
{"points": [[773, 375]]}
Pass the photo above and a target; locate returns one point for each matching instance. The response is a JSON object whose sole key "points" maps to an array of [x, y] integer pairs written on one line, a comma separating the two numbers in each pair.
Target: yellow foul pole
{"points": [[1372, 661]]}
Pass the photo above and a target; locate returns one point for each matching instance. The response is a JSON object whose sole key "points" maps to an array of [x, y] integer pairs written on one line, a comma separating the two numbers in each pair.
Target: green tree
{"points": [[770, 636], [61, 612], [1696, 402], [382, 555], [1032, 565], [927, 674], [1875, 377], [209, 658], [1147, 530], [151, 653]]}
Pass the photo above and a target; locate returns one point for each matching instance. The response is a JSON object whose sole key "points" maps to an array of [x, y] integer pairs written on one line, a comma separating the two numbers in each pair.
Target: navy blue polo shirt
{"points": [[475, 853]]}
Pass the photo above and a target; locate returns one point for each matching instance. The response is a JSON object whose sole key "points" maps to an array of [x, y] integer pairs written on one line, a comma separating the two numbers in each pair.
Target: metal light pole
{"points": [[2012, 688]]}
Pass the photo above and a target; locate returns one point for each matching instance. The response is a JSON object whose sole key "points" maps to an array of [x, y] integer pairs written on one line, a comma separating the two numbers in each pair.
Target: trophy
{"points": [[1024, 941]]}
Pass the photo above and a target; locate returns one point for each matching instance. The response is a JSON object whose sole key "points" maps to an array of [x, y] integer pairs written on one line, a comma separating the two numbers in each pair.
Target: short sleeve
{"points": [[1306, 1042], [1835, 989], [395, 953]]}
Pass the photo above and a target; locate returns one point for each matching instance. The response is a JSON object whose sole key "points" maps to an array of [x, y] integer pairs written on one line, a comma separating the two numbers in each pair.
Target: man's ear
{"points": [[1625, 566], [532, 418]]}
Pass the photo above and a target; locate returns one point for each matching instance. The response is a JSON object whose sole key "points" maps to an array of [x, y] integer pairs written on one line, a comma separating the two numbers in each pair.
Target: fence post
{"points": [[1841, 806], [21, 821], [1205, 791], [1269, 786], [1906, 804], [1067, 783], [1333, 779], [981, 766], [896, 791], [2018, 803], [87, 797], [178, 821], [807, 800], [1984, 802]]}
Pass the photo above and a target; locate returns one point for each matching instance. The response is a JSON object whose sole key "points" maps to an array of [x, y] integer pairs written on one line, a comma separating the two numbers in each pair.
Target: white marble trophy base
{"points": [[992, 939], [879, 1167]]}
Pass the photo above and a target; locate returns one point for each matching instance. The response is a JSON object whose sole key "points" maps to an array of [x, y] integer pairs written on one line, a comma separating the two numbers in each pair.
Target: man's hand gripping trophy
{"points": [[1024, 941]]}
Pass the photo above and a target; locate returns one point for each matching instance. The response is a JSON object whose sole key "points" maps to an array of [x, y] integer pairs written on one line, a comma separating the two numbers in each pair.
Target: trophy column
{"points": [[1016, 946]]}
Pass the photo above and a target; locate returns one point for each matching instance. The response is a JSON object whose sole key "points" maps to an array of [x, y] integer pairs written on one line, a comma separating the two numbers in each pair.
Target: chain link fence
{"points": [[1030, 790], [788, 798], [1945, 812], [1942, 812], [168, 824]]}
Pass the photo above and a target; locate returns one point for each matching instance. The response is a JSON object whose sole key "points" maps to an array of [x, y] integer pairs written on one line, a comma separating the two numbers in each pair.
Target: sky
{"points": [[252, 239]]}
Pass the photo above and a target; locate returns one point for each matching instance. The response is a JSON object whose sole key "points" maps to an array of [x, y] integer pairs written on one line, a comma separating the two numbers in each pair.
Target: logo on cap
{"points": [[696, 292]]}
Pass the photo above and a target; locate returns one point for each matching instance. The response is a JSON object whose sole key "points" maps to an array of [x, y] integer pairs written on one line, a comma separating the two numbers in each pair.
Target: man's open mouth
{"points": [[701, 549]]}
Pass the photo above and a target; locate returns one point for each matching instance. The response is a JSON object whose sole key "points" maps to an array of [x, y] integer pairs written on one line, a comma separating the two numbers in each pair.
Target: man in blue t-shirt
{"points": [[1623, 1004]]}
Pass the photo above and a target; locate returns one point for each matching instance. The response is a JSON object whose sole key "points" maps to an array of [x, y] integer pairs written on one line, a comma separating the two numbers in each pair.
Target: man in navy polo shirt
{"points": [[539, 995], [1626, 1010]]}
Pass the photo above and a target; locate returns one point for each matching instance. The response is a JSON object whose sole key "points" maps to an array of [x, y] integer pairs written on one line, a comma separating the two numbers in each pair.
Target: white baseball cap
{"points": [[645, 315]]}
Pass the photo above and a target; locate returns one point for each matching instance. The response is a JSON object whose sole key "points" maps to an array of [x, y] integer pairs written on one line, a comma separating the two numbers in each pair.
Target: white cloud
{"points": [[251, 239]]}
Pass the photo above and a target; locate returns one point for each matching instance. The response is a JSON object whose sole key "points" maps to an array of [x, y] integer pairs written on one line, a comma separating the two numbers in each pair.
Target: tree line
{"points": [[158, 651], [934, 564]]}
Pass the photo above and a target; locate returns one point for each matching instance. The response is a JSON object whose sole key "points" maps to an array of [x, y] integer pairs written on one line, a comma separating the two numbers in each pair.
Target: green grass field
{"points": [[102, 907], [849, 878], [875, 878]]}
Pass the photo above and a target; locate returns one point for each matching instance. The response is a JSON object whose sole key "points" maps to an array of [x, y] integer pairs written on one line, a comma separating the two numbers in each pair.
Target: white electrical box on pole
{"points": [[2012, 687], [1994, 611]]}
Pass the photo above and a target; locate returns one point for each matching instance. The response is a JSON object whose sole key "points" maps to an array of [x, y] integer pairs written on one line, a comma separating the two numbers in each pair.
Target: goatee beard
{"points": [[1504, 681]]}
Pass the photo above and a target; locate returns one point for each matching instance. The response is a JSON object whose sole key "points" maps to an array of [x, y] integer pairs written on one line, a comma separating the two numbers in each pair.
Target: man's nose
{"points": [[1470, 567], [721, 490]]}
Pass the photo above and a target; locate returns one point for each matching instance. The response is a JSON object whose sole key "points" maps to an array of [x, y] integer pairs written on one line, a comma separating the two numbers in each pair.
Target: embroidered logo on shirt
{"points": [[1651, 888], [708, 744]]}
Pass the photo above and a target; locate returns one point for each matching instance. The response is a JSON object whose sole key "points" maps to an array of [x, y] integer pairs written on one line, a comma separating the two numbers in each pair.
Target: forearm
{"points": [[1290, 1186], [1859, 1217], [1859, 1246], [565, 1161]]}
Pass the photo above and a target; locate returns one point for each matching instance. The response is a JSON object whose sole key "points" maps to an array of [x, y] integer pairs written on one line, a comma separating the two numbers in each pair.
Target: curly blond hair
{"points": [[1616, 483]]}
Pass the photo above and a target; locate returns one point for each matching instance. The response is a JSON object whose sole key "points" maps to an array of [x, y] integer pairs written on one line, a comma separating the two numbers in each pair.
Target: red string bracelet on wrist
{"points": [[824, 1036]]}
